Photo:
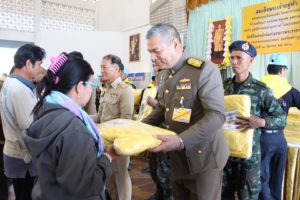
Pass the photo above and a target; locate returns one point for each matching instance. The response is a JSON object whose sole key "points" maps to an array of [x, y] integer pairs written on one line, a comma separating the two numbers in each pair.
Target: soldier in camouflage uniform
{"points": [[242, 176], [160, 173], [159, 163]]}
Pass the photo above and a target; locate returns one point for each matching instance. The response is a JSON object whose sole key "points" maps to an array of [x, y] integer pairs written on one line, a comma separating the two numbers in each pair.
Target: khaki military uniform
{"points": [[196, 87], [117, 101], [90, 107]]}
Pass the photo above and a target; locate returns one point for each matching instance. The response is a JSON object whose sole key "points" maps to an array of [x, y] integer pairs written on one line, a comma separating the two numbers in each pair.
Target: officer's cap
{"points": [[244, 46], [278, 59]]}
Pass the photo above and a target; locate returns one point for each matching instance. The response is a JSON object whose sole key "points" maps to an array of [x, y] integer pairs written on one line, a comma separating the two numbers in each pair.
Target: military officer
{"points": [[242, 176], [273, 144], [116, 101], [191, 103]]}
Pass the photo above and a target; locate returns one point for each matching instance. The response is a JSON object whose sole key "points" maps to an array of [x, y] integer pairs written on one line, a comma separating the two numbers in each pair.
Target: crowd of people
{"points": [[52, 148]]}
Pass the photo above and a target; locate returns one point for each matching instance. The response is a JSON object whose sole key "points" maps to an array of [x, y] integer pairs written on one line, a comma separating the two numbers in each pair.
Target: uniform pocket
{"points": [[112, 100], [201, 158]]}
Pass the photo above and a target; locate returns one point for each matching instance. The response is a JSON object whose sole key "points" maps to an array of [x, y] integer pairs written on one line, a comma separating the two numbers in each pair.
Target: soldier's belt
{"points": [[271, 131]]}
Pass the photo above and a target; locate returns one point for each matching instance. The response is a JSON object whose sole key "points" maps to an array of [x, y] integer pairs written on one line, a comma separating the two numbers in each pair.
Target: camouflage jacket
{"points": [[262, 100]]}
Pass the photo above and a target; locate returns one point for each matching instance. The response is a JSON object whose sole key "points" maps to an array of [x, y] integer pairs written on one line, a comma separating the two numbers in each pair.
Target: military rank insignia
{"points": [[184, 84], [194, 62], [123, 85], [113, 95]]}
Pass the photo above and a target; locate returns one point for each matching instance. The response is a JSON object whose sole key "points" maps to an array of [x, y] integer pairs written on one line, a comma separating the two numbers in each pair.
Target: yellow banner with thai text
{"points": [[272, 26]]}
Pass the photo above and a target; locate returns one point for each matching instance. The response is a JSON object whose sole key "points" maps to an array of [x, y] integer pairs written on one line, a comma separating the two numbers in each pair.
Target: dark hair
{"points": [[114, 60], [167, 32], [12, 70], [72, 72], [274, 69], [28, 52], [75, 54], [153, 78]]}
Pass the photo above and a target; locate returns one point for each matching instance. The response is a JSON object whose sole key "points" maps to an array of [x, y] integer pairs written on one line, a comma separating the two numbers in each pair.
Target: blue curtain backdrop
{"points": [[219, 9]]}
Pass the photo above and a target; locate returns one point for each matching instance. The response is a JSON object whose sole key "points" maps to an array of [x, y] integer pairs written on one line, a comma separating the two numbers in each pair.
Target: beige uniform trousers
{"points": [[119, 184]]}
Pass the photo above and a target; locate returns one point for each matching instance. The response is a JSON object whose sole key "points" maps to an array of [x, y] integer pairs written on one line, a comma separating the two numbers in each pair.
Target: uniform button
{"points": [[167, 109], [167, 126], [199, 151], [170, 76], [167, 91]]}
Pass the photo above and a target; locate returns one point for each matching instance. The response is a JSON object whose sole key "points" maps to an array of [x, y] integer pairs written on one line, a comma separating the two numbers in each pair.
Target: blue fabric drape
{"points": [[198, 32]]}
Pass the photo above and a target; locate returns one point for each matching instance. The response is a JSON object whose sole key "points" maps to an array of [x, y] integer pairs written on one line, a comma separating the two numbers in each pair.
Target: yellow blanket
{"points": [[292, 128], [279, 85], [130, 137], [145, 109], [240, 143]]}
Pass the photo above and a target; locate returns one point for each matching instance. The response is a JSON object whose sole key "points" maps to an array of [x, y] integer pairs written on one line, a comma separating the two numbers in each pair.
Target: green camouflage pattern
{"points": [[160, 170], [242, 176]]}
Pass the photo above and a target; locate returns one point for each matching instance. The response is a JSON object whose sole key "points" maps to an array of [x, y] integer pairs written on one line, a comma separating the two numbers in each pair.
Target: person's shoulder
{"points": [[125, 88], [259, 84], [195, 62], [123, 85]]}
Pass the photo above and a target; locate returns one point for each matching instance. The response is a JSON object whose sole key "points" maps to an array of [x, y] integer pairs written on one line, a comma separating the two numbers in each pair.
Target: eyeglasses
{"points": [[93, 84]]}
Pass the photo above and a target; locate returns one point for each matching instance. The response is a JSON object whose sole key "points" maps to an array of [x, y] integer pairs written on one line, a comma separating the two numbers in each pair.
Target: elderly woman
{"points": [[64, 142]]}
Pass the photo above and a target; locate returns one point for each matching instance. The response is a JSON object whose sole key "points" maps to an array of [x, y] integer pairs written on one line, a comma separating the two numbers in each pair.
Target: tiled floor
{"points": [[142, 185]]}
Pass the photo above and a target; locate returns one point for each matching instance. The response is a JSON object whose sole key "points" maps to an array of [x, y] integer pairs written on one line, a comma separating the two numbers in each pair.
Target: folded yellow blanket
{"points": [[131, 137], [240, 143], [292, 129]]}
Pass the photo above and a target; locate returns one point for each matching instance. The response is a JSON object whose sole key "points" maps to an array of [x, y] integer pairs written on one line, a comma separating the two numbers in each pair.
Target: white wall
{"points": [[93, 45], [121, 18], [17, 35], [123, 15]]}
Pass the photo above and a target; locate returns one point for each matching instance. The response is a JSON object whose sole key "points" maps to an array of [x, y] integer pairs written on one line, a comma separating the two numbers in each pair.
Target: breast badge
{"points": [[113, 95], [184, 84]]}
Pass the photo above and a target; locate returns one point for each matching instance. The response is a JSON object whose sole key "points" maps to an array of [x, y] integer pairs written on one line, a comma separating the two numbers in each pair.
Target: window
{"points": [[8, 50]]}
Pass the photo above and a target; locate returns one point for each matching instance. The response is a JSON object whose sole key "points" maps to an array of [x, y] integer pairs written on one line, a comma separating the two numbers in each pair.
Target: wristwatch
{"points": [[181, 144], [108, 156]]}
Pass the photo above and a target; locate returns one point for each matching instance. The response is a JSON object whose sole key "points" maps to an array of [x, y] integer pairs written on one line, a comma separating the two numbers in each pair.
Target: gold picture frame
{"points": [[134, 48]]}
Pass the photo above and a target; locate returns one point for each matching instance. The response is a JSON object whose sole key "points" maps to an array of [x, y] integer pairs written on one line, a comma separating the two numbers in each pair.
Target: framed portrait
{"points": [[134, 48], [217, 49], [219, 39]]}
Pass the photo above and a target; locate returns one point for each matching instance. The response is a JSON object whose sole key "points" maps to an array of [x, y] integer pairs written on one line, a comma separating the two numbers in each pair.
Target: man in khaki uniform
{"points": [[191, 102], [116, 101]]}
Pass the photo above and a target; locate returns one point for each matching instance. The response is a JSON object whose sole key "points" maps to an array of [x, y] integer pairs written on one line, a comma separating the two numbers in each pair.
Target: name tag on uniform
{"points": [[182, 115]]}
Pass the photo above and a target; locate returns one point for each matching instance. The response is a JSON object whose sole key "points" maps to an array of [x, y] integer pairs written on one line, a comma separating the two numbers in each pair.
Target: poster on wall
{"points": [[134, 48], [219, 39], [273, 26]]}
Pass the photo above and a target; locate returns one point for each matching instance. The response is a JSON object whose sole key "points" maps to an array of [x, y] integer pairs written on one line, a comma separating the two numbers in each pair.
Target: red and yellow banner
{"points": [[273, 26]]}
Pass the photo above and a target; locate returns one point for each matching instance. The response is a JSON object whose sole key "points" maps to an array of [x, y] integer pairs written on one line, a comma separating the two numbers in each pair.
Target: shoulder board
{"points": [[123, 85], [262, 84], [195, 62]]}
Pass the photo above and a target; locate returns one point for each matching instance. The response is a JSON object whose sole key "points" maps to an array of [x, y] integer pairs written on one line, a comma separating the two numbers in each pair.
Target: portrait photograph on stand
{"points": [[219, 39], [134, 48]]}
